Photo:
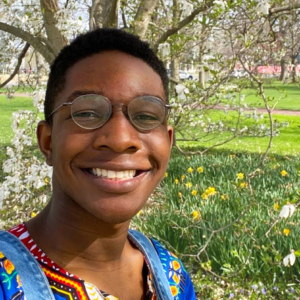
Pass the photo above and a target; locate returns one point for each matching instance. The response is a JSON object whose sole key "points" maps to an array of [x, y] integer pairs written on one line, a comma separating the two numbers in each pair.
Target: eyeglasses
{"points": [[92, 111]]}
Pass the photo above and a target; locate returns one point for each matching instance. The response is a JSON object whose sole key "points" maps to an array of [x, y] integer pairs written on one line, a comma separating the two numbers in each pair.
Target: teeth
{"points": [[114, 175]]}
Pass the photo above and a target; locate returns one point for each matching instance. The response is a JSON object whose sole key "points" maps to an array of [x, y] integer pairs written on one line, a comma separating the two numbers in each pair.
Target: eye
{"points": [[145, 117], [86, 114]]}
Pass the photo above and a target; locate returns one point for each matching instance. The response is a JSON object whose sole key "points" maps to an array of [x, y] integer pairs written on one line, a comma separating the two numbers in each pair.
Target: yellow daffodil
{"points": [[232, 155], [190, 170], [286, 231], [200, 170], [194, 192], [240, 176], [243, 185], [208, 192], [211, 191], [33, 214], [182, 177], [166, 174], [179, 195], [139, 213], [204, 196], [276, 206], [224, 197], [196, 215], [188, 185], [176, 181], [284, 173]]}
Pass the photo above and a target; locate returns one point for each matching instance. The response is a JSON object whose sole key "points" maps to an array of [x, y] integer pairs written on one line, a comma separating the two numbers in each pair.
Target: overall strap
{"points": [[160, 281], [33, 279]]}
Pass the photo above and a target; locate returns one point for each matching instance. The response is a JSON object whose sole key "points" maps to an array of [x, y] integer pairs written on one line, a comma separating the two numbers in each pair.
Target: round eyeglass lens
{"points": [[90, 111], [146, 112]]}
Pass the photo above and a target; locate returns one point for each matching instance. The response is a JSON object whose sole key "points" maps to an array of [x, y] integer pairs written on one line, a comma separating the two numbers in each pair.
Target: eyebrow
{"points": [[79, 93]]}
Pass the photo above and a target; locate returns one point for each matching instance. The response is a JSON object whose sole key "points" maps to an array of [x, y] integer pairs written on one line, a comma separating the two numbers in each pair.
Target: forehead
{"points": [[114, 74]]}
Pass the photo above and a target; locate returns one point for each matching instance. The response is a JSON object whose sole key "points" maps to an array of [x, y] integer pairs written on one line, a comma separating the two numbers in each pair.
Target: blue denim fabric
{"points": [[160, 281], [34, 281]]}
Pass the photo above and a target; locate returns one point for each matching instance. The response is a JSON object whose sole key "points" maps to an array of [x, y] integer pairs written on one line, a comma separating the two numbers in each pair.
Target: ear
{"points": [[44, 136], [171, 135]]}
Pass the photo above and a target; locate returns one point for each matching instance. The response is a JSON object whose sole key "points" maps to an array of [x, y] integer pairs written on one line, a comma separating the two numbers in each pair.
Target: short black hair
{"points": [[93, 42]]}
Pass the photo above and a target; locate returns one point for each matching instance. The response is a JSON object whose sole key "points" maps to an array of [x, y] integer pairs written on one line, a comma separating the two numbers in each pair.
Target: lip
{"points": [[116, 186]]}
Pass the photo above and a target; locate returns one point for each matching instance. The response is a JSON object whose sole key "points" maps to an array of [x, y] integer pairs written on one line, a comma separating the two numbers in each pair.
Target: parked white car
{"points": [[183, 75], [237, 73]]}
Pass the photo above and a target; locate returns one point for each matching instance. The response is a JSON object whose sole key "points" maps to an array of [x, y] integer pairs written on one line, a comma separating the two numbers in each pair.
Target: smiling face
{"points": [[110, 171]]}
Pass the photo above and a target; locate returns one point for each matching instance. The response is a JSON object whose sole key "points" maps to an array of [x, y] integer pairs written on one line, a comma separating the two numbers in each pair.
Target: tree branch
{"points": [[180, 25], [20, 58], [276, 10], [35, 42]]}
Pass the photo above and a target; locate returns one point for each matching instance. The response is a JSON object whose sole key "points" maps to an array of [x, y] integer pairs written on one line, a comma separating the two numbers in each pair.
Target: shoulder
{"points": [[179, 279]]}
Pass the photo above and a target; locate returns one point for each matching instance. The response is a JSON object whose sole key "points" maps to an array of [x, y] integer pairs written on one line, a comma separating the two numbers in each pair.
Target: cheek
{"points": [[160, 149], [66, 147]]}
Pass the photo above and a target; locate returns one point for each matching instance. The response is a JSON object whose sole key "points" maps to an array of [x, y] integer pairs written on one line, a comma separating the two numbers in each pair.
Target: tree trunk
{"points": [[201, 70], [175, 63], [55, 39], [38, 67], [294, 72], [283, 69], [104, 14], [142, 17]]}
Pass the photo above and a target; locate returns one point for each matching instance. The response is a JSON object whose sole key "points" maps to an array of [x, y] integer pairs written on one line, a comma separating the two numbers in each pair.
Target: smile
{"points": [[113, 175]]}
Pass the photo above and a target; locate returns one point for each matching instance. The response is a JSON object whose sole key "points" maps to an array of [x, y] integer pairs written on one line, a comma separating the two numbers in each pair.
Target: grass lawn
{"points": [[8, 106], [287, 96], [286, 143]]}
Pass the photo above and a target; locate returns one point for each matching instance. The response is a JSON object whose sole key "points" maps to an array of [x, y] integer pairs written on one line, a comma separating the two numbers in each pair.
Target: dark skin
{"points": [[84, 227]]}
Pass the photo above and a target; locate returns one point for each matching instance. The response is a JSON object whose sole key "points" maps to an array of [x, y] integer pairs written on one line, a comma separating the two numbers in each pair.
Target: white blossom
{"points": [[287, 211], [181, 90], [186, 7], [222, 4], [290, 259], [263, 7], [164, 49], [38, 99]]}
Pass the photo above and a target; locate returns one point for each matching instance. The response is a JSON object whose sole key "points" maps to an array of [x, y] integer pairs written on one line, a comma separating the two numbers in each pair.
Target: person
{"points": [[106, 135]]}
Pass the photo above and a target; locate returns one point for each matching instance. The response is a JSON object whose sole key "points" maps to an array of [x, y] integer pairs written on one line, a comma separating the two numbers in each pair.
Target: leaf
{"points": [[278, 257], [297, 253]]}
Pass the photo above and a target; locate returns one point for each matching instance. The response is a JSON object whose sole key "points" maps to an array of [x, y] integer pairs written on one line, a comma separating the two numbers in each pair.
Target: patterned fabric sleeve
{"points": [[10, 284], [180, 282]]}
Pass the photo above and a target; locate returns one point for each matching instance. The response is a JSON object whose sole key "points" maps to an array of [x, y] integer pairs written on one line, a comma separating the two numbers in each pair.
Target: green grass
{"points": [[283, 96], [286, 143], [8, 106]]}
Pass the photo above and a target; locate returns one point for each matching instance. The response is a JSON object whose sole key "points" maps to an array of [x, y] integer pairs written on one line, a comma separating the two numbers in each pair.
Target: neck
{"points": [[71, 236]]}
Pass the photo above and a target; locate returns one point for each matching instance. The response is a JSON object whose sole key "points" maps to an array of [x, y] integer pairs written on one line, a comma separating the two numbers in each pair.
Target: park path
{"points": [[259, 110]]}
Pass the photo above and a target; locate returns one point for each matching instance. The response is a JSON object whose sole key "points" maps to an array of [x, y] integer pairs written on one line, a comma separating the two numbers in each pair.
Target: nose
{"points": [[118, 133]]}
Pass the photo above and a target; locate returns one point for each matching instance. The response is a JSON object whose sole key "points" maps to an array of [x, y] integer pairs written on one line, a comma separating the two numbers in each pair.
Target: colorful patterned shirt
{"points": [[64, 285]]}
